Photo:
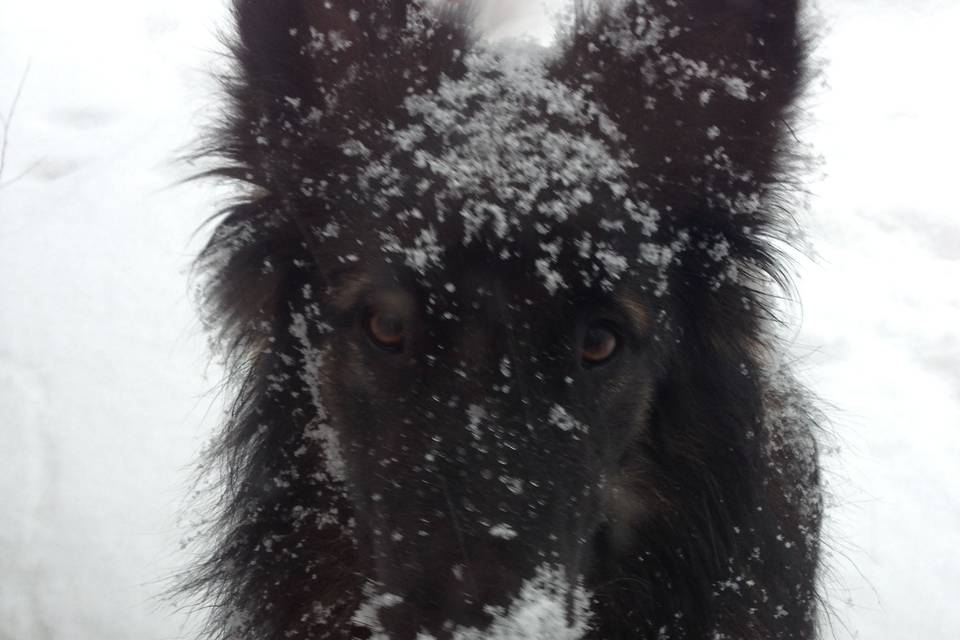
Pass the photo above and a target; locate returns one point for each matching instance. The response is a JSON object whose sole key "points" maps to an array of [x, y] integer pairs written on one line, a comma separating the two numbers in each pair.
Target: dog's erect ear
{"points": [[312, 83], [313, 75], [700, 88]]}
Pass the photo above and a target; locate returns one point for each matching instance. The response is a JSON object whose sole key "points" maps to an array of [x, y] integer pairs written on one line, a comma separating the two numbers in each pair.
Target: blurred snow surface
{"points": [[106, 396]]}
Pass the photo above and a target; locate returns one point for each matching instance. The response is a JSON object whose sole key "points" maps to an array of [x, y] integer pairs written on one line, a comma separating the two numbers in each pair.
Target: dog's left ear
{"points": [[701, 89]]}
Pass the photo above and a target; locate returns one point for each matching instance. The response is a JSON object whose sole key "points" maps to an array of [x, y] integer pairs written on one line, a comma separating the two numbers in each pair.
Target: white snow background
{"points": [[105, 392]]}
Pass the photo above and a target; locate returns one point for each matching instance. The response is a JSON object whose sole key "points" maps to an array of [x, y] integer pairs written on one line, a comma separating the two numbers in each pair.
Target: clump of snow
{"points": [[367, 614], [504, 531], [311, 372], [562, 419], [515, 485], [475, 416], [426, 251], [736, 87], [548, 607], [495, 130], [504, 149], [552, 279], [613, 264], [539, 612], [661, 257]]}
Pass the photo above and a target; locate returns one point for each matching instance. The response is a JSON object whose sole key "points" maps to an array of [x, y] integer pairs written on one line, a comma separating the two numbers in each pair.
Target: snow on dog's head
{"points": [[490, 311]]}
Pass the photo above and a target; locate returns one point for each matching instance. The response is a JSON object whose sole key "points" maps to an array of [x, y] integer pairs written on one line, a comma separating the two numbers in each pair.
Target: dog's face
{"points": [[483, 424], [469, 273], [490, 355]]}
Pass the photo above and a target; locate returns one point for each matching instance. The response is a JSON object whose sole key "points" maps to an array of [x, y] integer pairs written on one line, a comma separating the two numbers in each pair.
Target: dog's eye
{"points": [[386, 329], [600, 343]]}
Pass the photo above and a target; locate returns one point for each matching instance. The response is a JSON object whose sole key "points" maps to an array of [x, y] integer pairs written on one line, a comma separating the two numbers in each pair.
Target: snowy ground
{"points": [[105, 395]]}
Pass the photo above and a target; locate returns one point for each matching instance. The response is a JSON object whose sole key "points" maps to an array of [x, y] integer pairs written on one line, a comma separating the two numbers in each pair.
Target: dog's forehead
{"points": [[506, 164], [561, 260]]}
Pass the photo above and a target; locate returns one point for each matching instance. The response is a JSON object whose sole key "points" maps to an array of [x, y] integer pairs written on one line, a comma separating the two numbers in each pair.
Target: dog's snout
{"points": [[448, 588]]}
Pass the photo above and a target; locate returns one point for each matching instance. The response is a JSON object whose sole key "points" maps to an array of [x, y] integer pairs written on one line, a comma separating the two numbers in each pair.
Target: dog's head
{"points": [[460, 287]]}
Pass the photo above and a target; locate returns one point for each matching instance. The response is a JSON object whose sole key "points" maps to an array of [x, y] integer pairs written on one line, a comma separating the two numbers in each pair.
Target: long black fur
{"points": [[724, 541]]}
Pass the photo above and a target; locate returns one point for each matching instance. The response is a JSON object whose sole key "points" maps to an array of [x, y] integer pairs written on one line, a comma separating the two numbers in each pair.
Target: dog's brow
{"points": [[636, 310], [347, 288]]}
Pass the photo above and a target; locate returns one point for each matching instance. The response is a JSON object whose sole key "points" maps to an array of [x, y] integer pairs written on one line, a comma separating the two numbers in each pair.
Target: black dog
{"points": [[501, 324]]}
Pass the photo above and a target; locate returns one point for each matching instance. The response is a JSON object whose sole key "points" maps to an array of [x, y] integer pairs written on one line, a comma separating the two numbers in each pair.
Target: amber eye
{"points": [[386, 329], [600, 342]]}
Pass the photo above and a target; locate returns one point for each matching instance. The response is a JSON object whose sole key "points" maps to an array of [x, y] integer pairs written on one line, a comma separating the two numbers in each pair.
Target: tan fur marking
{"points": [[348, 288], [636, 310]]}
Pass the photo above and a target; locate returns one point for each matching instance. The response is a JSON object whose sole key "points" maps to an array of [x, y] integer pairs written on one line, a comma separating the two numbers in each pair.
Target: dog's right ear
{"points": [[312, 81], [313, 75]]}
